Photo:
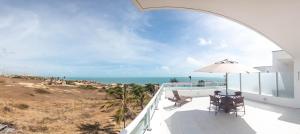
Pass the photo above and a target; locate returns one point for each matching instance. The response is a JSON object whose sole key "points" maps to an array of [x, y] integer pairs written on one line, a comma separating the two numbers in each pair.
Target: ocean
{"points": [[144, 80]]}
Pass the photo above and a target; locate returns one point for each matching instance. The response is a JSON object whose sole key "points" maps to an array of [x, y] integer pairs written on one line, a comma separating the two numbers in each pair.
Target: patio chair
{"points": [[239, 102], [238, 93], [179, 99], [227, 104], [214, 101], [217, 92]]}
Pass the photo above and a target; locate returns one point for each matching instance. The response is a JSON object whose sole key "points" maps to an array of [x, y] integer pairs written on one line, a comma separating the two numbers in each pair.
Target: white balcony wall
{"points": [[283, 63], [297, 82]]}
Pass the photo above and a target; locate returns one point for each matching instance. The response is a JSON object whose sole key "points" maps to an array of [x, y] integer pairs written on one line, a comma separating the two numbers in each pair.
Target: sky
{"points": [[112, 38]]}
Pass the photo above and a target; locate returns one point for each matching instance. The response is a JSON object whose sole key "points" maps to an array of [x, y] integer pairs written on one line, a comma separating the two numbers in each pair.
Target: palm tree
{"points": [[150, 88], [140, 94], [116, 92], [122, 114], [121, 102], [173, 80], [94, 128]]}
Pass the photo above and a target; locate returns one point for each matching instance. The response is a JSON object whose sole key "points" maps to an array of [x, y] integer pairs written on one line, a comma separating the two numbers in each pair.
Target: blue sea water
{"points": [[144, 80]]}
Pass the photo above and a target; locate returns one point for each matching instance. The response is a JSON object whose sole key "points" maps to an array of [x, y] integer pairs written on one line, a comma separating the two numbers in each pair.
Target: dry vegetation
{"points": [[30, 107]]}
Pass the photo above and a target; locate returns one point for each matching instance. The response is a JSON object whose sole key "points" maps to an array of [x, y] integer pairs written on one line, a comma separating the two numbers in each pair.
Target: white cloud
{"points": [[223, 44], [204, 42], [42, 40], [233, 40], [166, 68], [192, 61], [99, 45]]}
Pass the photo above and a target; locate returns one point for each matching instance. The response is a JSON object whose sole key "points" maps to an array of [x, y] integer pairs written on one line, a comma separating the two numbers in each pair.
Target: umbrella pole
{"points": [[226, 84]]}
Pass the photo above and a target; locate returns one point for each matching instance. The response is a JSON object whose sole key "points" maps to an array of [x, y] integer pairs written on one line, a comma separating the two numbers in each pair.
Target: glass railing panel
{"points": [[285, 84], [195, 86], [234, 82], [250, 83], [268, 84], [141, 127], [152, 108]]}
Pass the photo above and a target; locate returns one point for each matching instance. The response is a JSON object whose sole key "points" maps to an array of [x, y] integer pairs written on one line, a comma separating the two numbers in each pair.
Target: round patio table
{"points": [[226, 102], [230, 94]]}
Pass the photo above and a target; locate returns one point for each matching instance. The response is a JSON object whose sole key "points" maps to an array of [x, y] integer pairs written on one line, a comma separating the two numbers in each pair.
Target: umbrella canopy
{"points": [[226, 66]]}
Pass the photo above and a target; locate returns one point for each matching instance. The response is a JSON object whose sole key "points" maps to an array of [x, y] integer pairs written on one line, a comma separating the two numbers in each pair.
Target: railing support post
{"points": [[259, 84], [277, 86], [148, 120], [241, 82]]}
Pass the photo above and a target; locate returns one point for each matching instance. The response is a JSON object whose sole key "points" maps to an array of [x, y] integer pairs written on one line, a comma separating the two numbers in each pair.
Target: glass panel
{"points": [[268, 84], [140, 128], [234, 82], [152, 108], [250, 82], [285, 84]]}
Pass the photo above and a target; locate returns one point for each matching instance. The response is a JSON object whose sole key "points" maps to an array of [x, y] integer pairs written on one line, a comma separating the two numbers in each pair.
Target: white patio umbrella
{"points": [[226, 66]]}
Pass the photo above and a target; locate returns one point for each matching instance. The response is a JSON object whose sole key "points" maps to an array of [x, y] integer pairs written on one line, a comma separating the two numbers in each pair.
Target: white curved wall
{"points": [[277, 20]]}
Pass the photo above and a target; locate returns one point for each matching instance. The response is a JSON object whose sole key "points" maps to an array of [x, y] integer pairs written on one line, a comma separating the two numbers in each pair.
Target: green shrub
{"points": [[22, 106], [2, 81], [87, 87], [116, 92], [90, 128], [7, 109], [42, 91], [38, 128], [70, 82], [16, 76]]}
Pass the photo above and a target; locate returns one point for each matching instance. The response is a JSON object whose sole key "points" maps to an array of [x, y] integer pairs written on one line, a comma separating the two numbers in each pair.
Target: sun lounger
{"points": [[179, 99]]}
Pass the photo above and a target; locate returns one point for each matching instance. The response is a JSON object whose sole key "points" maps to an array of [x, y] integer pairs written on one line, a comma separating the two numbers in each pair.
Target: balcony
{"points": [[266, 111], [194, 118]]}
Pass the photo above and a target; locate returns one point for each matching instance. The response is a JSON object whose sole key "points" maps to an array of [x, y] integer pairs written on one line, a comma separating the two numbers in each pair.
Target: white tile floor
{"points": [[194, 118]]}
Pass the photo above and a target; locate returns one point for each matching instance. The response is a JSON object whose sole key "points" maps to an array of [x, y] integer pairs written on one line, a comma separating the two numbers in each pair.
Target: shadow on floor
{"points": [[287, 114], [204, 122], [172, 107]]}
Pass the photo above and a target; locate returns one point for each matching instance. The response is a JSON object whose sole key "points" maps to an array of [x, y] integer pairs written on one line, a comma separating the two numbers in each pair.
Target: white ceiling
{"points": [[278, 20]]}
